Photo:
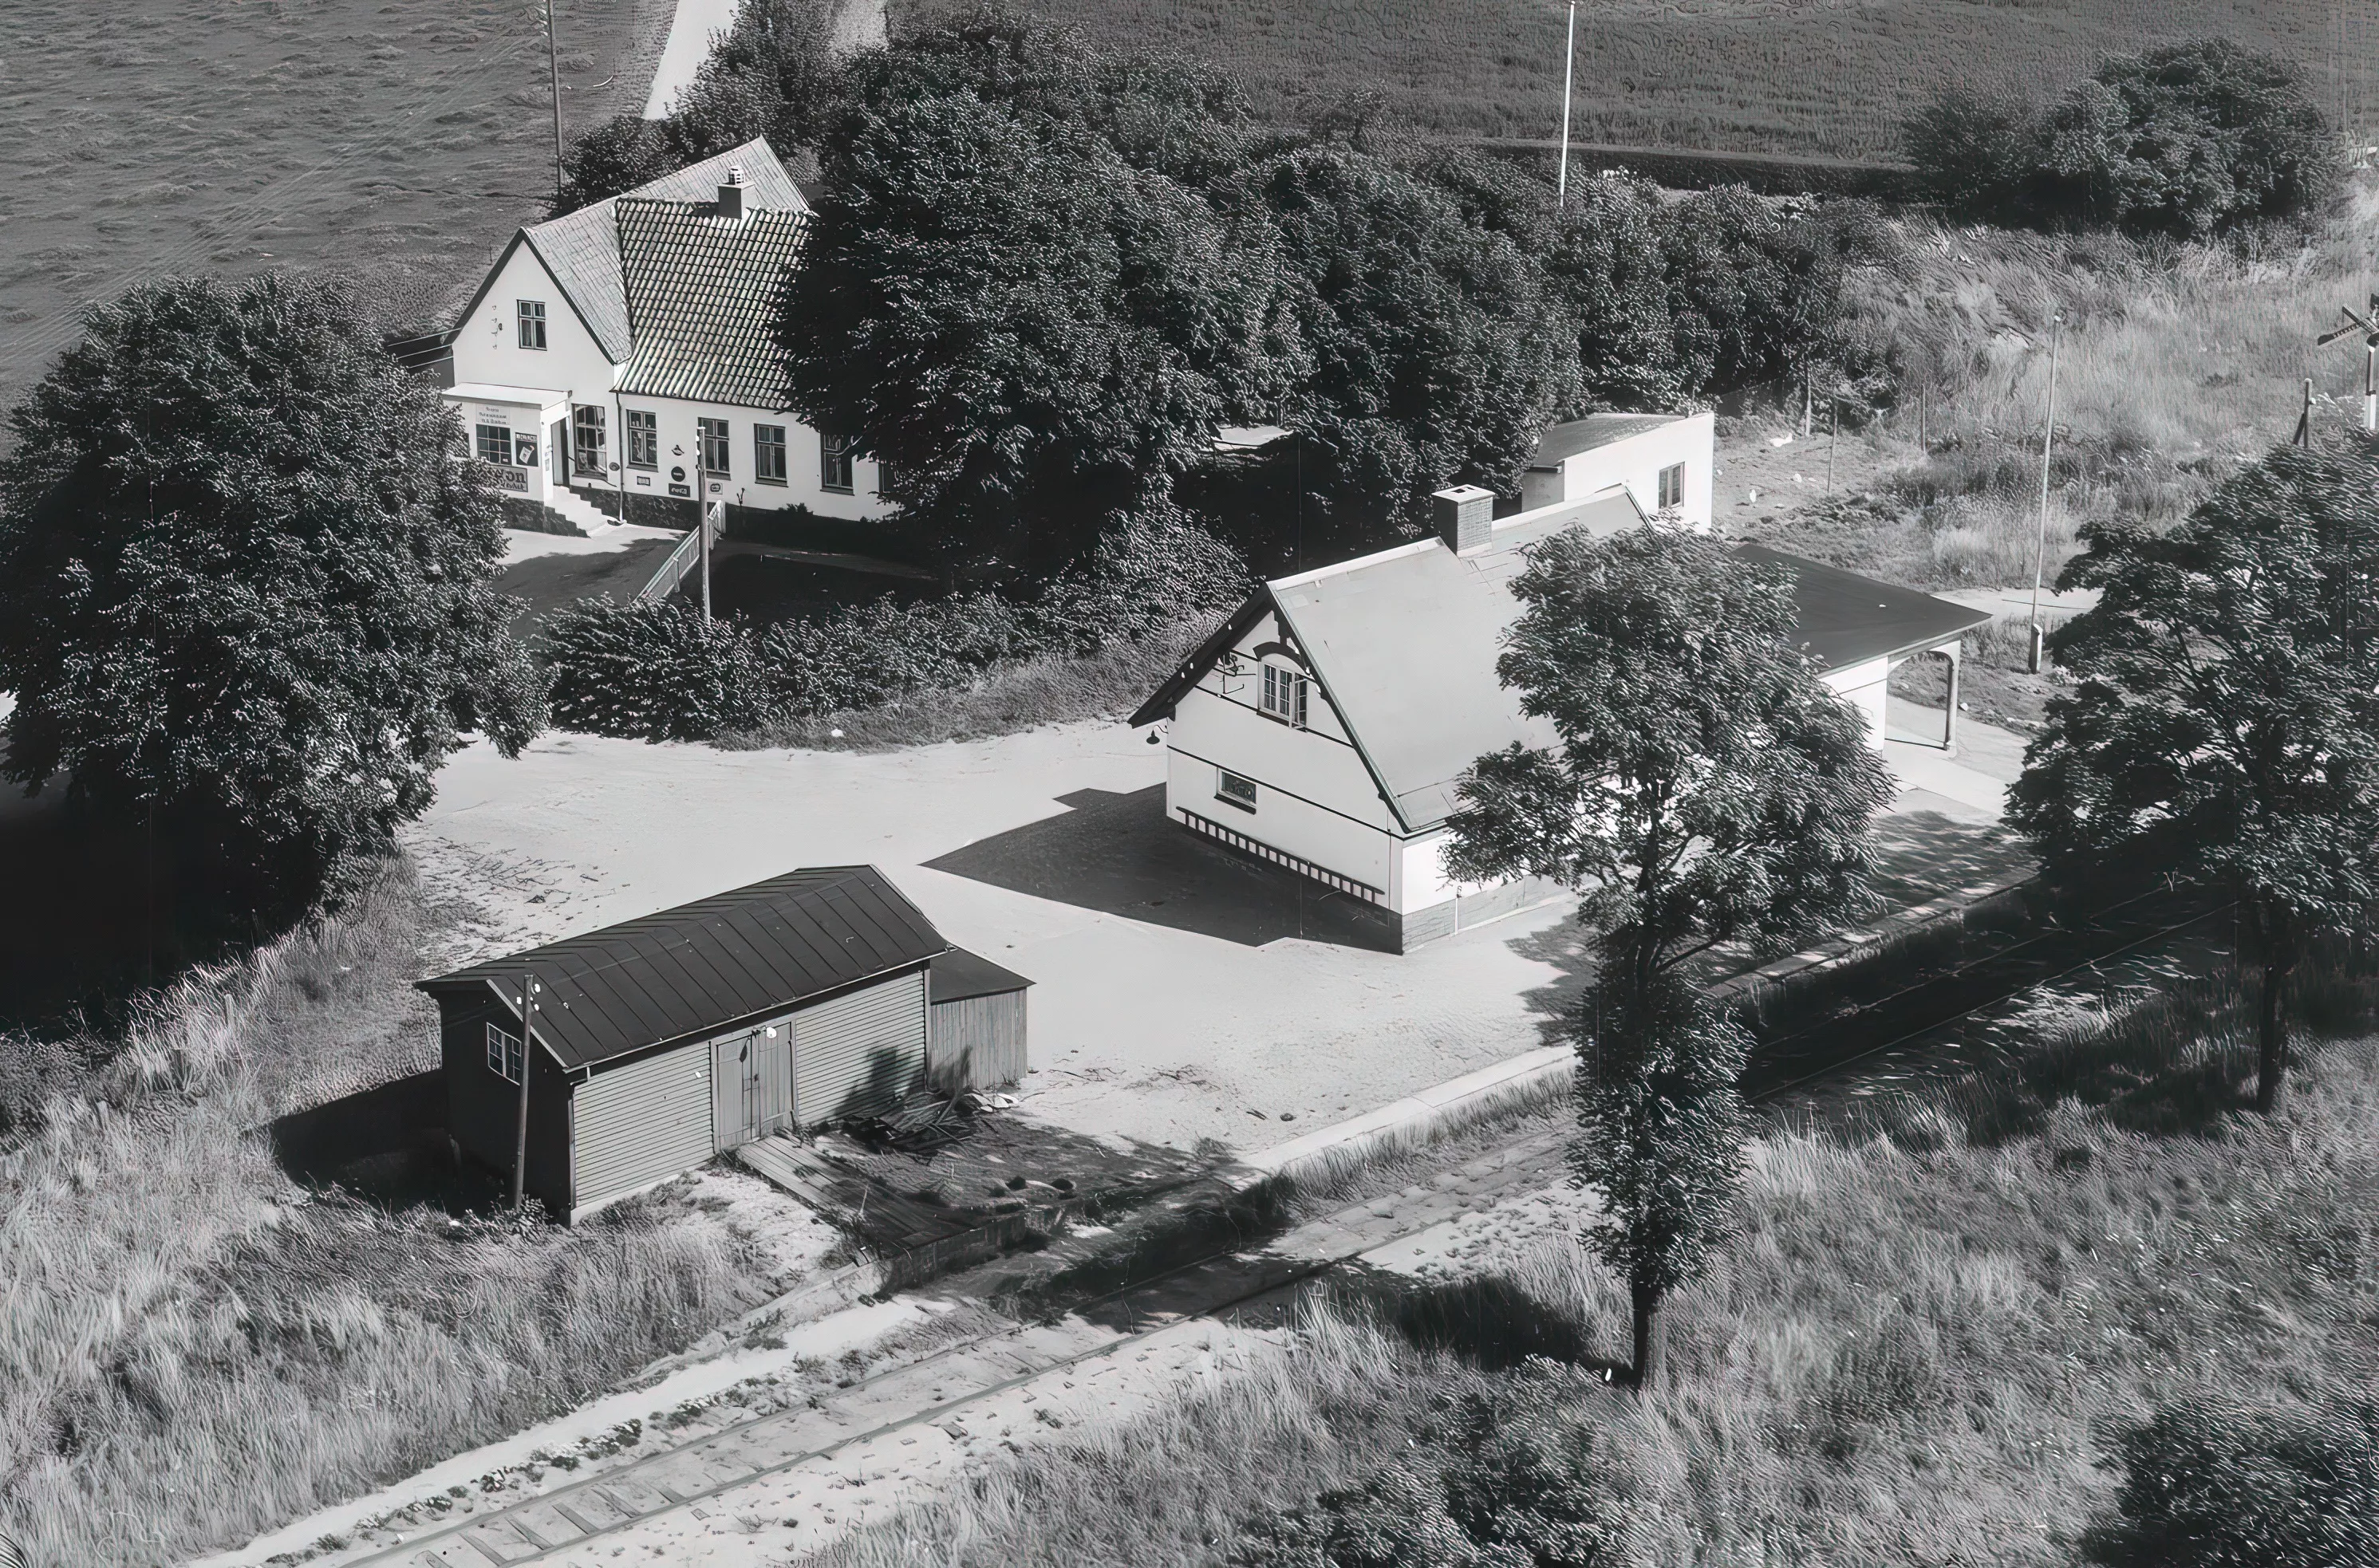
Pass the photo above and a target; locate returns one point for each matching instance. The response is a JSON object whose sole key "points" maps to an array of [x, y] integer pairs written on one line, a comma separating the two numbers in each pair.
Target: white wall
{"points": [[485, 349], [1295, 826], [680, 447], [1865, 686], [1636, 462]]}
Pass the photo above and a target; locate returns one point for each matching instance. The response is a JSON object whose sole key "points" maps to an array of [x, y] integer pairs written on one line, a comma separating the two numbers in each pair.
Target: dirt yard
{"points": [[402, 140]]}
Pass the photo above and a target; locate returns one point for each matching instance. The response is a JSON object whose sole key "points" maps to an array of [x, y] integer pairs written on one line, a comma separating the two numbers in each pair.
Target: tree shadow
{"points": [[1118, 854], [385, 1146]]}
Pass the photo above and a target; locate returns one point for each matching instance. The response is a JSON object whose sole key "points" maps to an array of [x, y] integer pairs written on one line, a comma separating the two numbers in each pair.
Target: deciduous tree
{"points": [[1706, 788], [2226, 709], [245, 582]]}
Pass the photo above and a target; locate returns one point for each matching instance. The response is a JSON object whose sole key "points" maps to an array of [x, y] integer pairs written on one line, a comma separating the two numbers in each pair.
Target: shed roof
{"points": [[582, 249], [956, 974], [683, 973], [1596, 429], [702, 294], [1404, 644]]}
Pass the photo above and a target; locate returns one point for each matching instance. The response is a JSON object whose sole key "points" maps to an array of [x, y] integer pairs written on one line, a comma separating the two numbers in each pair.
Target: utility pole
{"points": [[553, 78], [2040, 553], [1808, 391], [1569, 67], [710, 510], [529, 992], [1833, 433]]}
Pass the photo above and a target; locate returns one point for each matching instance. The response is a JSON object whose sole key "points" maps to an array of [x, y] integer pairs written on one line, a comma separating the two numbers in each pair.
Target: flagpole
{"points": [[1569, 64]]}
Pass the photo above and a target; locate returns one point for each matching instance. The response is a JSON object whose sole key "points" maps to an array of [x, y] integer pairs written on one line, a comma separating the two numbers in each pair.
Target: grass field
{"points": [[398, 139], [1737, 75], [1812, 75], [1920, 1351]]}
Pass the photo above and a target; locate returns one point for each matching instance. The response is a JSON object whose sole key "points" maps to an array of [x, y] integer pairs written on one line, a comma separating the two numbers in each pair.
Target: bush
{"points": [[2212, 1484], [1496, 1485], [2190, 140], [654, 672], [879, 651]]}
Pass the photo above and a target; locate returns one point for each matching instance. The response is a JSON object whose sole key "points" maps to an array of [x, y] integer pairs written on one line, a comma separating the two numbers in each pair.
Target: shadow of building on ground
{"points": [[385, 1146], [1118, 854], [546, 583]]}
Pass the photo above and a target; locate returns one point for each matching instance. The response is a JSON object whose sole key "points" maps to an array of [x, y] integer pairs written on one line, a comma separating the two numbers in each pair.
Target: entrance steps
{"points": [[586, 519]]}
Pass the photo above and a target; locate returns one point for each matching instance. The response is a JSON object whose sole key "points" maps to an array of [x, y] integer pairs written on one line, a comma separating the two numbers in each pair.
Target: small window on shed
{"points": [[1673, 485], [504, 1055]]}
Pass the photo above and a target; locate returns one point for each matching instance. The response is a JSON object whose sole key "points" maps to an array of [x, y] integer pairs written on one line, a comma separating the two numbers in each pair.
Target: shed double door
{"points": [[752, 1084]]}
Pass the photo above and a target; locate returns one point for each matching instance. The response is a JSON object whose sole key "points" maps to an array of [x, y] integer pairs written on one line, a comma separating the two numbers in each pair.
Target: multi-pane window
{"points": [[644, 438], [1673, 485], [587, 438], [768, 454], [834, 463], [1283, 693], [713, 432], [531, 323], [492, 442], [1233, 790], [504, 1055]]}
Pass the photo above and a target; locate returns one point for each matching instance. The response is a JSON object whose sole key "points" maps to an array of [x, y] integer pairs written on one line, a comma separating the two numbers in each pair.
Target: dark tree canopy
{"points": [[2226, 710], [1030, 330], [1424, 341], [2188, 139], [1707, 788], [245, 581]]}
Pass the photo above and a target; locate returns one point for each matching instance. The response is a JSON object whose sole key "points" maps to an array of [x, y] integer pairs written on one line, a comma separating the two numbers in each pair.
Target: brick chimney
{"points": [[730, 195], [1465, 516]]}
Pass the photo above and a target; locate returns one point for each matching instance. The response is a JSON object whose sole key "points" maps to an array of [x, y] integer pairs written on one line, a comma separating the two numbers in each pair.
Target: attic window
{"points": [[504, 1055], [1284, 695], [532, 322]]}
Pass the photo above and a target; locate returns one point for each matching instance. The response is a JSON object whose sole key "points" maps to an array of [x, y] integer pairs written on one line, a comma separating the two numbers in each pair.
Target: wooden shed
{"points": [[654, 1045], [974, 1035]]}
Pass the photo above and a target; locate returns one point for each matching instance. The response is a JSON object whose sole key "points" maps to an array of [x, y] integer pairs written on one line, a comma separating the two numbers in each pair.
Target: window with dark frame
{"points": [[768, 454], [531, 323], [834, 463], [1284, 695], [644, 438], [1673, 485], [504, 1055], [715, 457], [1231, 788], [586, 440], [493, 442]]}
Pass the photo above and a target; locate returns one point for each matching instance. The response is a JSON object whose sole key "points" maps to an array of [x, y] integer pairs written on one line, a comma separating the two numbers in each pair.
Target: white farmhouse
{"points": [[619, 361], [1325, 725]]}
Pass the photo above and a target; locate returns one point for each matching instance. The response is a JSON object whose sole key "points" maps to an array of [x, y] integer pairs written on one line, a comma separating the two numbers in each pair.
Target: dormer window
{"points": [[1284, 695]]}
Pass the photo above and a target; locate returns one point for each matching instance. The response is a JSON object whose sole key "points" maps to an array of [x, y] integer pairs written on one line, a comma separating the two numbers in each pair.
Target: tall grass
{"points": [[1934, 1326], [195, 1347]]}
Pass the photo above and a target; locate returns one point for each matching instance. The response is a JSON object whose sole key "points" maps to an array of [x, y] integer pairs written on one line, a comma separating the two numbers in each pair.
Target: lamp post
{"points": [[2040, 552]]}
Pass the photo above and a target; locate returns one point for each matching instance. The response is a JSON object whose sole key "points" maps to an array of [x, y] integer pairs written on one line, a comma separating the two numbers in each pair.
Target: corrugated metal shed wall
{"points": [[859, 1055], [641, 1123], [976, 1041]]}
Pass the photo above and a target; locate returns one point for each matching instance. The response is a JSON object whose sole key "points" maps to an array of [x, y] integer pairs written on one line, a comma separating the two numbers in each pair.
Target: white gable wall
{"points": [[486, 349], [1636, 461]]}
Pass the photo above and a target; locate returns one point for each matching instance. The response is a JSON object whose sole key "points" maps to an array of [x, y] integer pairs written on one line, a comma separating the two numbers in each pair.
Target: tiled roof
{"points": [[686, 971], [582, 249], [702, 294]]}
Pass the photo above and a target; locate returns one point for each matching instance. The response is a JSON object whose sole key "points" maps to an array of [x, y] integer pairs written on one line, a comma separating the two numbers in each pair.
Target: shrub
{"points": [[654, 672], [1495, 1486], [2189, 140], [877, 653], [2212, 1484]]}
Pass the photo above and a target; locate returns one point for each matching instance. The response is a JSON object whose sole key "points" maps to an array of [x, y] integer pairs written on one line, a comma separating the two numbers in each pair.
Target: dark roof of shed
{"points": [[1596, 429], [702, 294], [680, 973], [957, 974], [1847, 619]]}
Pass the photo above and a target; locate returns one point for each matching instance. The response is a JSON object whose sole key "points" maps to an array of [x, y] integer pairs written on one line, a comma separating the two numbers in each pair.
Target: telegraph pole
{"points": [[1569, 66], [529, 990], [2040, 554], [553, 79]]}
